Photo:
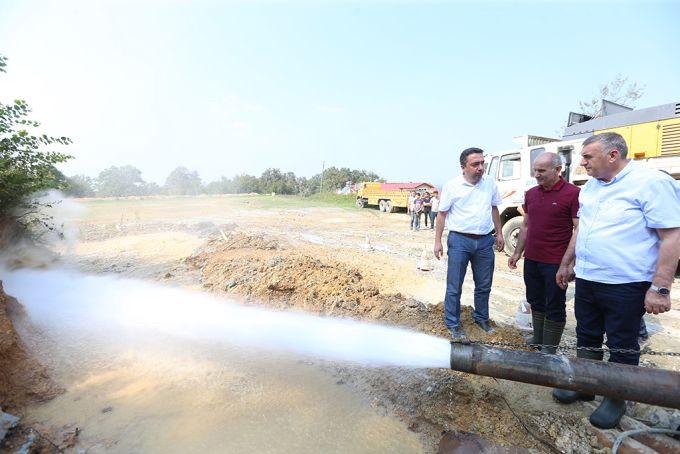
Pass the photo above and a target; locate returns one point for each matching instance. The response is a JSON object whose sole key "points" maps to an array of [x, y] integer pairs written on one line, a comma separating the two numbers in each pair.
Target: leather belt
{"points": [[474, 236]]}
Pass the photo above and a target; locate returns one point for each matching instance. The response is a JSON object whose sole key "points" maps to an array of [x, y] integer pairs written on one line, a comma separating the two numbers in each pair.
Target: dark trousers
{"points": [[612, 309], [433, 216], [543, 293], [426, 212]]}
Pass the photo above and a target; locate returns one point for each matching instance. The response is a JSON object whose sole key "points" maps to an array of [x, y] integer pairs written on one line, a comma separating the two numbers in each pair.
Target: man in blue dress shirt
{"points": [[626, 249]]}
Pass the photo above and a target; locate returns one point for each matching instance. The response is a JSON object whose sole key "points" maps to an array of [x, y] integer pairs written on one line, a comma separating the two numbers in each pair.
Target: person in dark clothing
{"points": [[427, 207], [550, 217]]}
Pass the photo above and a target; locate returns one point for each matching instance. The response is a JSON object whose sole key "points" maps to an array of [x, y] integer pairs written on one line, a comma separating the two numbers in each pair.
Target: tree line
{"points": [[127, 181]]}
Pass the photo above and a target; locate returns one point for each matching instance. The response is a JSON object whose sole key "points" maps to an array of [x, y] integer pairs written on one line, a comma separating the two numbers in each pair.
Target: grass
{"points": [[147, 208]]}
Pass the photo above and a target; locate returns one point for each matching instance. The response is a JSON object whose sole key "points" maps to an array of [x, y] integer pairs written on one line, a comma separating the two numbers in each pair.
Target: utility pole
{"points": [[323, 167]]}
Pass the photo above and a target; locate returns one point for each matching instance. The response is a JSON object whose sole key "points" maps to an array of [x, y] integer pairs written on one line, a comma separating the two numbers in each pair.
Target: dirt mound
{"points": [[280, 277], [22, 379]]}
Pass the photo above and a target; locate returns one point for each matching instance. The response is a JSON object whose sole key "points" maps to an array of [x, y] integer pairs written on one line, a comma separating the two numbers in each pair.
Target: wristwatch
{"points": [[663, 291]]}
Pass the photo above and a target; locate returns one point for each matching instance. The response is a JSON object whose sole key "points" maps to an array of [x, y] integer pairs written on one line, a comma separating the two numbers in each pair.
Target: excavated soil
{"points": [[22, 379]]}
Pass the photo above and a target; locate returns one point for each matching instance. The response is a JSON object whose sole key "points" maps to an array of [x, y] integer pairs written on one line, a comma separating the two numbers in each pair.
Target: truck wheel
{"points": [[388, 206], [360, 203], [511, 233], [381, 205]]}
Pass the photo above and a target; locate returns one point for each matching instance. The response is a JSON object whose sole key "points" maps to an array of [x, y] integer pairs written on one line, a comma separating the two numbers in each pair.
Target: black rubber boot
{"points": [[537, 321], [564, 396], [609, 413], [552, 335]]}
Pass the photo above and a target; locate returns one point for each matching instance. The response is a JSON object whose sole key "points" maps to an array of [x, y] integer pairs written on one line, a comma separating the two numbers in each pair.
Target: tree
{"points": [[245, 184], [79, 186], [181, 181], [334, 178], [272, 180], [618, 90], [26, 165], [222, 186], [120, 182]]}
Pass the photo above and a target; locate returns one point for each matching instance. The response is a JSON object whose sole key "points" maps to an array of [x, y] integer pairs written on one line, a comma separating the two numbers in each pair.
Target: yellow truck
{"points": [[388, 197]]}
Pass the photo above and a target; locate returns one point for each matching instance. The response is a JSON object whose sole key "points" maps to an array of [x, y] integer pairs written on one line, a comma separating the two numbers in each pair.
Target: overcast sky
{"points": [[398, 88]]}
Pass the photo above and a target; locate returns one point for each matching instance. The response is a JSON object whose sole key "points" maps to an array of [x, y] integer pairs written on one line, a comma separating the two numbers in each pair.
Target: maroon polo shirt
{"points": [[550, 221]]}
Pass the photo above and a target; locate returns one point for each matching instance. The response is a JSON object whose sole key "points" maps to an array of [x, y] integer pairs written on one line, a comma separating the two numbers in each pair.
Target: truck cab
{"points": [[513, 171]]}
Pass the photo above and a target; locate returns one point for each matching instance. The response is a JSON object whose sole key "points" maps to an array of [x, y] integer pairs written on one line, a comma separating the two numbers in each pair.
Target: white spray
{"points": [[110, 304]]}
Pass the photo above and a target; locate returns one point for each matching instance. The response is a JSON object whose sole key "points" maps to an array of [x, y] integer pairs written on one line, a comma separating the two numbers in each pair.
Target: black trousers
{"points": [[543, 293], [426, 211], [611, 309]]}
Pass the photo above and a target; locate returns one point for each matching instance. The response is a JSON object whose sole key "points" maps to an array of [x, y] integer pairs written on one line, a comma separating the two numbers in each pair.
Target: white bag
{"points": [[523, 317]]}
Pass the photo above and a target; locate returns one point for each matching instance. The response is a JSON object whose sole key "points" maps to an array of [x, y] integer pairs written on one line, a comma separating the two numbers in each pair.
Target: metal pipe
{"points": [[640, 384]]}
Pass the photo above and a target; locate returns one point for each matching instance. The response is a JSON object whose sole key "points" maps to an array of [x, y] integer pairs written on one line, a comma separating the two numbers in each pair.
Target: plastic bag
{"points": [[523, 316]]}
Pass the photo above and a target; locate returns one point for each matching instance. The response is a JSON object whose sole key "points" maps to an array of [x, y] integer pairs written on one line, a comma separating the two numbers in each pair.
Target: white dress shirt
{"points": [[617, 242], [468, 206]]}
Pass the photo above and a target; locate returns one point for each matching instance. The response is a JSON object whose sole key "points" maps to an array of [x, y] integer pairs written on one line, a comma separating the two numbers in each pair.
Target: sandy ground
{"points": [[153, 238]]}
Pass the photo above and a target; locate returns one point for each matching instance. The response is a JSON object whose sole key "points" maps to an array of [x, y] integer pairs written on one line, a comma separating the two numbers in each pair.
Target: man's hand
{"points": [[500, 242], [512, 261], [656, 303], [565, 274], [438, 249]]}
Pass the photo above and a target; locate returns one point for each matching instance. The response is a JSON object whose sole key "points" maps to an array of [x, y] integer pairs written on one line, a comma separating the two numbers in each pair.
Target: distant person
{"points": [[435, 208], [626, 249], [469, 209], [550, 215], [411, 208], [427, 207], [418, 210]]}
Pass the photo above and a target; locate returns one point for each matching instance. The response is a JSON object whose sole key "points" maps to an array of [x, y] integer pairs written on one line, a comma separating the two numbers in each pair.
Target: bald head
{"points": [[549, 159], [547, 169]]}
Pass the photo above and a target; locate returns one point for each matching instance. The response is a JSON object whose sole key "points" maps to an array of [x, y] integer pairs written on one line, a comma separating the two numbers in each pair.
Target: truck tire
{"points": [[381, 205], [361, 203], [511, 233], [388, 206]]}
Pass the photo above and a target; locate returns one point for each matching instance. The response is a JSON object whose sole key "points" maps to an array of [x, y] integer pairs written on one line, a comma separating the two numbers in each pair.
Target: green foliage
{"points": [[120, 182], [245, 184], [79, 186], [181, 181], [334, 178], [272, 180], [26, 166]]}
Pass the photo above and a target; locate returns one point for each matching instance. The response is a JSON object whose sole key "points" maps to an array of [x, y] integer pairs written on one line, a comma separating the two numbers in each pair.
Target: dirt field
{"points": [[286, 254]]}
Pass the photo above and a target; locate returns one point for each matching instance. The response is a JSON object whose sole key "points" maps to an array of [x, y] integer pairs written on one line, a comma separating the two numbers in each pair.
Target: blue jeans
{"points": [[479, 253], [413, 219], [417, 220], [614, 309]]}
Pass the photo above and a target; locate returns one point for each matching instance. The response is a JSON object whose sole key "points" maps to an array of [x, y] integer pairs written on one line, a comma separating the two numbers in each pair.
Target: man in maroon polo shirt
{"points": [[550, 217]]}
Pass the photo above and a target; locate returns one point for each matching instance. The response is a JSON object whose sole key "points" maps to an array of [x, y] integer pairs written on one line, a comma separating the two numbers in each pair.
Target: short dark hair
{"points": [[467, 152], [610, 141]]}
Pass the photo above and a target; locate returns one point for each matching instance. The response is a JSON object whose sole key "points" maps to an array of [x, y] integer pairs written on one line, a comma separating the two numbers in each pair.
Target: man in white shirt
{"points": [[469, 209], [435, 208], [626, 248]]}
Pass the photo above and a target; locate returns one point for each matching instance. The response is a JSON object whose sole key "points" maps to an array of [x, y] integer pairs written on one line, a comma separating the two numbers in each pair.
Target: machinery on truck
{"points": [[388, 197], [652, 135]]}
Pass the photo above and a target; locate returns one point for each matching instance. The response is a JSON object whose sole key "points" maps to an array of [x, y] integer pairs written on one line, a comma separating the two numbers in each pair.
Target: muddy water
{"points": [[166, 395]]}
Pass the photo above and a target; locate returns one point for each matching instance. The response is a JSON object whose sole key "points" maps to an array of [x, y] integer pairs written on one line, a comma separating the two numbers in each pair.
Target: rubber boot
{"points": [[537, 321], [609, 413], [552, 334], [564, 396]]}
